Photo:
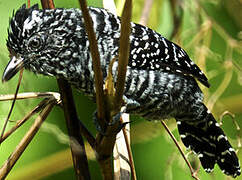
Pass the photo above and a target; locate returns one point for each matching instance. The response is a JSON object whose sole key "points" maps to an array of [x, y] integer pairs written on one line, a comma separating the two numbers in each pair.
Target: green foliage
{"points": [[210, 36]]}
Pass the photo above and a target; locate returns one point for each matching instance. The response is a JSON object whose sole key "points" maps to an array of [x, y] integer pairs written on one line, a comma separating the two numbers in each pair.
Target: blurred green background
{"points": [[210, 32]]}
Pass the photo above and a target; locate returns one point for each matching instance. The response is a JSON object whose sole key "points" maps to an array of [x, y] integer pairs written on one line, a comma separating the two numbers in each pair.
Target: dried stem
{"points": [[193, 173], [104, 144], [30, 95], [28, 5], [47, 4], [123, 52], [98, 76], [72, 122], [146, 12], [38, 108], [13, 103], [8, 165], [123, 160], [131, 160]]}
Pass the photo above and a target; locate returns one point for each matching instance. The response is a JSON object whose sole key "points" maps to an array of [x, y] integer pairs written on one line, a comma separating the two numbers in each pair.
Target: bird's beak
{"points": [[15, 64]]}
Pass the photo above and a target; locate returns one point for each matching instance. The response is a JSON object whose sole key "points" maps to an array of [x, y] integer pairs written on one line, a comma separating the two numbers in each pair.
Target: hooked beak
{"points": [[15, 64]]}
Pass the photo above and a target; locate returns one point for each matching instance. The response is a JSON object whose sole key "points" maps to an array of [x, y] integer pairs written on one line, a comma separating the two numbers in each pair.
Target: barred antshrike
{"points": [[160, 81]]}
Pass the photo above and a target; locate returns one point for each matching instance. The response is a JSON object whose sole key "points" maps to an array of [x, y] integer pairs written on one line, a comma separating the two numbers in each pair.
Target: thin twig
{"points": [[222, 87], [73, 123], [122, 167], [177, 14], [235, 123], [38, 108], [121, 153], [28, 5], [13, 103], [131, 160], [146, 12], [122, 68], [193, 173], [30, 95], [47, 4], [78, 149], [8, 165], [98, 76], [104, 144], [123, 52]]}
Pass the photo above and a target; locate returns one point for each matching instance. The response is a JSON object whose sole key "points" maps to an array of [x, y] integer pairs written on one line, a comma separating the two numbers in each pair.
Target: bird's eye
{"points": [[34, 43]]}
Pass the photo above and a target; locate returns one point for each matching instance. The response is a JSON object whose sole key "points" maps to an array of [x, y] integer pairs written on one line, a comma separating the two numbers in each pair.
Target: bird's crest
{"points": [[16, 26]]}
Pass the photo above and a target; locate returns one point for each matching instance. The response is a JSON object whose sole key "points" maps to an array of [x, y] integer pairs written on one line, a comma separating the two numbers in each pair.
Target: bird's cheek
{"points": [[14, 65]]}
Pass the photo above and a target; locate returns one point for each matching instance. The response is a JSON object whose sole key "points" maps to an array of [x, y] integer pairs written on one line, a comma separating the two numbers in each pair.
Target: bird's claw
{"points": [[115, 122]]}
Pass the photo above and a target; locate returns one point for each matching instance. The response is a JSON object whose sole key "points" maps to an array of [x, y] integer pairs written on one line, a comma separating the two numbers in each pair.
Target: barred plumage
{"points": [[160, 81]]}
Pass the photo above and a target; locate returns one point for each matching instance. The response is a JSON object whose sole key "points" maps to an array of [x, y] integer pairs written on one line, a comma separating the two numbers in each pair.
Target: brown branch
{"points": [[123, 52], [131, 160], [98, 76], [30, 95], [28, 5], [193, 173], [8, 165], [72, 122], [123, 160], [12, 106], [104, 144], [47, 4], [146, 12], [38, 108]]}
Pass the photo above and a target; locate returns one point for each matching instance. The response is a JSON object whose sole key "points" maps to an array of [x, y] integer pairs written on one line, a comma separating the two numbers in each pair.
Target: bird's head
{"points": [[36, 40]]}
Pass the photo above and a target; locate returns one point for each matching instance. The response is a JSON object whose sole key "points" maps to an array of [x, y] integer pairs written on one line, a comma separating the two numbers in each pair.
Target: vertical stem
{"points": [[98, 76], [73, 124], [123, 52], [193, 173], [8, 165], [13, 103]]}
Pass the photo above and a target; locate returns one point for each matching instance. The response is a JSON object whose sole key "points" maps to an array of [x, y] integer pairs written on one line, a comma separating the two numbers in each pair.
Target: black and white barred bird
{"points": [[160, 82]]}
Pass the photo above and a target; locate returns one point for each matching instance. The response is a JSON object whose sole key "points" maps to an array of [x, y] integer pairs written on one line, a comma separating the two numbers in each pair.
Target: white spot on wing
{"points": [[183, 136], [146, 37], [200, 155], [221, 137], [164, 41]]}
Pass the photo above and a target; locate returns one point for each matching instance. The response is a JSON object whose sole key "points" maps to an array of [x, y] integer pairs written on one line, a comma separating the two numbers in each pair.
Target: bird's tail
{"points": [[203, 136]]}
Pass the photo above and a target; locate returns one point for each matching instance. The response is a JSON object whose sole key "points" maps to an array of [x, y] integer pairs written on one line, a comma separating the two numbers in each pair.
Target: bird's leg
{"points": [[96, 124], [115, 121]]}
